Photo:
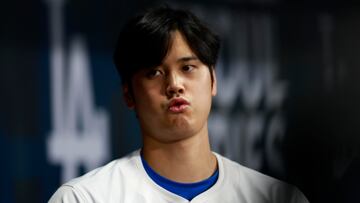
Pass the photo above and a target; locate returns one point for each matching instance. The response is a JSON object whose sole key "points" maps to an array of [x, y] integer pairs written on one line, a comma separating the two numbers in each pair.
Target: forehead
{"points": [[179, 49]]}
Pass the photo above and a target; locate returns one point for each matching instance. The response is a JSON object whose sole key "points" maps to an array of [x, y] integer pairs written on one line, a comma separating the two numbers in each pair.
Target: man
{"points": [[166, 59]]}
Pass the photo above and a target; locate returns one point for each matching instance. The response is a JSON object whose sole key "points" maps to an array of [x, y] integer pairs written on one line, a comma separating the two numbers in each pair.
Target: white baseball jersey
{"points": [[125, 181]]}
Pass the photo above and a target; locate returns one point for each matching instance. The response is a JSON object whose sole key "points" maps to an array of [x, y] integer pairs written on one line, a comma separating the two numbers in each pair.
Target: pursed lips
{"points": [[178, 105]]}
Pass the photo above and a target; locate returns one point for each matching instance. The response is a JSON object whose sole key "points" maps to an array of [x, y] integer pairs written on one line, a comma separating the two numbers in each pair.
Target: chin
{"points": [[178, 136], [180, 122]]}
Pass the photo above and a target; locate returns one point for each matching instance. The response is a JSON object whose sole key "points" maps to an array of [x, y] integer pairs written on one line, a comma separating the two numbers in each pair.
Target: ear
{"points": [[128, 97], [214, 83]]}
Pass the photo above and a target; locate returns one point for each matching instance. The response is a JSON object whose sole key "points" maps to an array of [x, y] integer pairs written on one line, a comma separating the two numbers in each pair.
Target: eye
{"points": [[187, 68], [153, 73]]}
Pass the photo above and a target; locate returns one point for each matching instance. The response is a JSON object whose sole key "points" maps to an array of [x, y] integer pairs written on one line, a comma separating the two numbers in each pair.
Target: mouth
{"points": [[178, 105]]}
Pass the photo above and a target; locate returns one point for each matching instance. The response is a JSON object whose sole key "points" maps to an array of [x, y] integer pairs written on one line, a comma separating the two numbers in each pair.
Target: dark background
{"points": [[315, 47]]}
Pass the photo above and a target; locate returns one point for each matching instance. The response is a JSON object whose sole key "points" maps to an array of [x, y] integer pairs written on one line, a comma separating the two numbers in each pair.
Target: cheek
{"points": [[146, 97], [205, 97], [203, 93]]}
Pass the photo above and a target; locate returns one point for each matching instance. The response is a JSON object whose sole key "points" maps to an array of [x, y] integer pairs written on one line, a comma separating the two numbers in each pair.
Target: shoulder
{"points": [[66, 194], [115, 169], [101, 181], [236, 170], [253, 183]]}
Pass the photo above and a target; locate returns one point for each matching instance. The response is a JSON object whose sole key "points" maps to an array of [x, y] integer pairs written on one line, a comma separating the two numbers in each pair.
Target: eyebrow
{"points": [[187, 58]]}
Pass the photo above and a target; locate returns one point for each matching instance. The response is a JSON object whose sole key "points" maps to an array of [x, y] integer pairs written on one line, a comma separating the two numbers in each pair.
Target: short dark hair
{"points": [[146, 38]]}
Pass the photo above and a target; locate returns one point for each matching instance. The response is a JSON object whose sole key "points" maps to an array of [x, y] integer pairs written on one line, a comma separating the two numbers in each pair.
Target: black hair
{"points": [[145, 40]]}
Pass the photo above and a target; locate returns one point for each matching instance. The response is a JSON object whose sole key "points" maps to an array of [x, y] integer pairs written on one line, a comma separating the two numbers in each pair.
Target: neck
{"points": [[188, 160]]}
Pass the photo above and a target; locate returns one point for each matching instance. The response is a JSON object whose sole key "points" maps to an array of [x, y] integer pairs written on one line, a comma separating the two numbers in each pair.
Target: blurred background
{"points": [[287, 104]]}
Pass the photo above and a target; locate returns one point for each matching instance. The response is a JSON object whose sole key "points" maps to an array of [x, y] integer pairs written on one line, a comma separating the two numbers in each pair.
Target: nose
{"points": [[174, 85]]}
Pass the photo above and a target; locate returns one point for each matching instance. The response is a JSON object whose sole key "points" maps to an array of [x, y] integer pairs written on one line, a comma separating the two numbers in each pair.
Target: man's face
{"points": [[173, 100]]}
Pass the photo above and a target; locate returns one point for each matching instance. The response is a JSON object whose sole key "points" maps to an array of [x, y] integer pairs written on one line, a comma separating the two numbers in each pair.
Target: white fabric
{"points": [[125, 181]]}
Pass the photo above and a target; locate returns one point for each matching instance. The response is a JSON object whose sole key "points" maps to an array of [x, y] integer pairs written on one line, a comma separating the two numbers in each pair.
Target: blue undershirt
{"points": [[185, 190]]}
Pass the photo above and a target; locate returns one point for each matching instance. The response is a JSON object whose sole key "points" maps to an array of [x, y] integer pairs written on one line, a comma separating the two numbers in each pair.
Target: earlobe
{"points": [[128, 97], [214, 83]]}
